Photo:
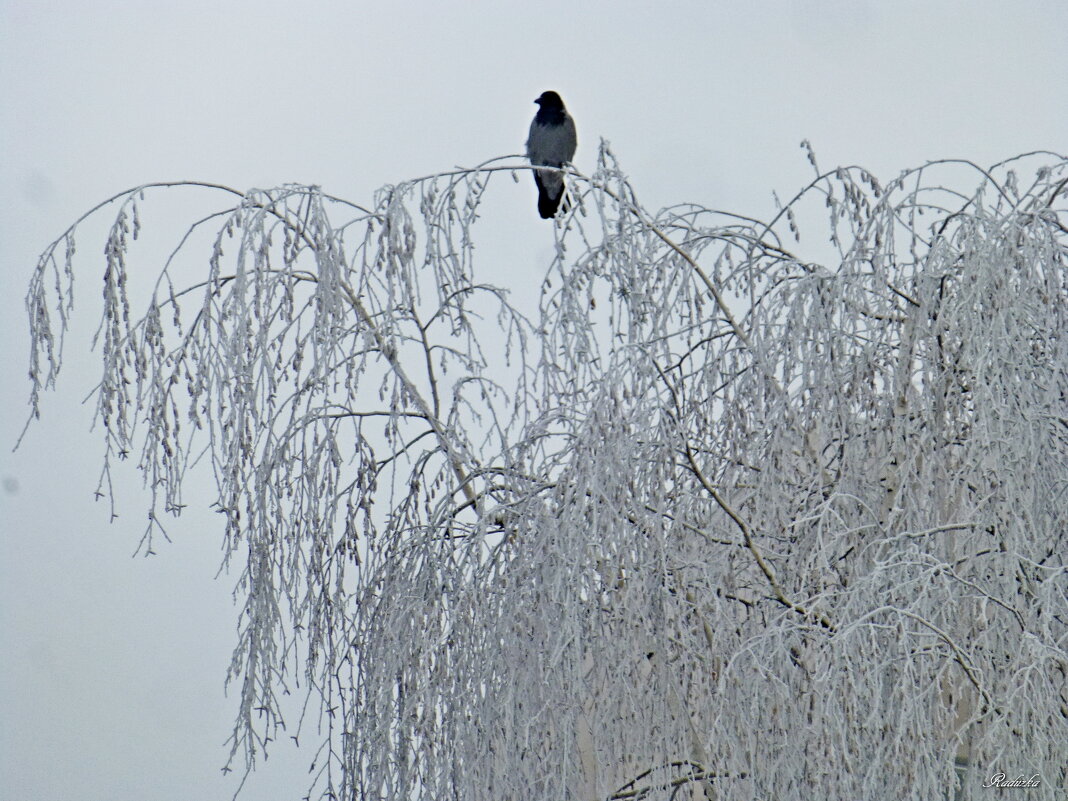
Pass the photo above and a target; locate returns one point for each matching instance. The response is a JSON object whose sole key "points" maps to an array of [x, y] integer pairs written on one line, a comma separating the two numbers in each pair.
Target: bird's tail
{"points": [[548, 205]]}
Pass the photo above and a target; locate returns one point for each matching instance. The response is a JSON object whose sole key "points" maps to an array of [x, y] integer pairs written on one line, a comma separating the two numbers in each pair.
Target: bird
{"points": [[551, 143]]}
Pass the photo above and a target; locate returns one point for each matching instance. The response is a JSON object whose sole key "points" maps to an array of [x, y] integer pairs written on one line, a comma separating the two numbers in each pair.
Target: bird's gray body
{"points": [[551, 143]]}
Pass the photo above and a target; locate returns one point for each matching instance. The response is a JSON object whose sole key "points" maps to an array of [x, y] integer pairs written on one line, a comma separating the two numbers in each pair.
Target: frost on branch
{"points": [[736, 509]]}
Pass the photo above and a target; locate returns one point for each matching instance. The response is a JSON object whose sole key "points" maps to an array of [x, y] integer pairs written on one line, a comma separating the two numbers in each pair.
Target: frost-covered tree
{"points": [[734, 510]]}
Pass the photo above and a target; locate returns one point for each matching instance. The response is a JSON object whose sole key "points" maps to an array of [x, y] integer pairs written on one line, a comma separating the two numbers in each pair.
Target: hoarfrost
{"points": [[722, 518]]}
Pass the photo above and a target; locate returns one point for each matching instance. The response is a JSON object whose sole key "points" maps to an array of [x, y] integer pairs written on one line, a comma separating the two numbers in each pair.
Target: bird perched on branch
{"points": [[551, 143]]}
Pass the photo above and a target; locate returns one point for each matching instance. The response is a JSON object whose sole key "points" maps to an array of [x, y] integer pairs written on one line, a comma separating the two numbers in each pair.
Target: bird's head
{"points": [[550, 100]]}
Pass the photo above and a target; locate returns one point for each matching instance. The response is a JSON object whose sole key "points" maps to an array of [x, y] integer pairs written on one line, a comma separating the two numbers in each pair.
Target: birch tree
{"points": [[735, 509]]}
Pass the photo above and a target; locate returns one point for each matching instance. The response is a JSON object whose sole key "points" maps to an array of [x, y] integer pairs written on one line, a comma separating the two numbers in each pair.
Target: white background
{"points": [[111, 669]]}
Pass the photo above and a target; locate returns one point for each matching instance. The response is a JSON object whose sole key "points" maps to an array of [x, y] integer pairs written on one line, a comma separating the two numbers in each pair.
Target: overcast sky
{"points": [[112, 668]]}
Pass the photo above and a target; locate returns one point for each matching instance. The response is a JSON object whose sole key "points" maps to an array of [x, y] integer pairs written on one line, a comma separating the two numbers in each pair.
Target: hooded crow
{"points": [[551, 143]]}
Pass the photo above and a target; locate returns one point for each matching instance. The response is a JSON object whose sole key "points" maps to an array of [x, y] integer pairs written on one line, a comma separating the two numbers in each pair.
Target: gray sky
{"points": [[112, 668]]}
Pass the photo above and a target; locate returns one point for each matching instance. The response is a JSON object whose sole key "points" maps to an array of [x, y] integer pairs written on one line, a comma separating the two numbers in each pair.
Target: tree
{"points": [[714, 515]]}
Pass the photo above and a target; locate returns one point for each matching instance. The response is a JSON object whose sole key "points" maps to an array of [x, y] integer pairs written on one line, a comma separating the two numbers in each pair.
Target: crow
{"points": [[551, 143]]}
